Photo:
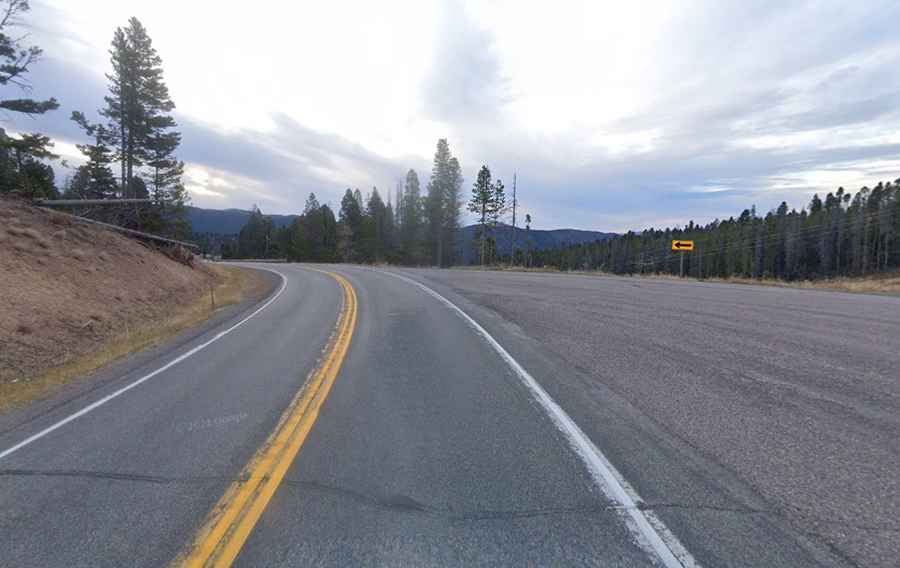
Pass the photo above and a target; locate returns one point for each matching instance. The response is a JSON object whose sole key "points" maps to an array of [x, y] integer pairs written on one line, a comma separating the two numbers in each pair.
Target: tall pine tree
{"points": [[452, 210], [481, 203], [412, 222], [141, 129], [442, 205]]}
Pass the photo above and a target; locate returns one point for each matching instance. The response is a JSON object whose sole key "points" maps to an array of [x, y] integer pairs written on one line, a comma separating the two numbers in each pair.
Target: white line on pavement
{"points": [[647, 528], [147, 377]]}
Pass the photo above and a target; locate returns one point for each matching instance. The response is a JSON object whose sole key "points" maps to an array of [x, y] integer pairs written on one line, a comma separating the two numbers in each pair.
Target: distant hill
{"points": [[540, 239], [226, 221], [229, 222]]}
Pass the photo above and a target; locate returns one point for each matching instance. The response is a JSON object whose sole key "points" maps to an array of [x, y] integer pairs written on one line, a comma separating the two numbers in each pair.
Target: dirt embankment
{"points": [[74, 297]]}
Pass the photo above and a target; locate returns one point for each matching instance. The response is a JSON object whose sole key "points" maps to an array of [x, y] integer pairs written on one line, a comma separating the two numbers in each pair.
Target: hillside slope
{"points": [[68, 287]]}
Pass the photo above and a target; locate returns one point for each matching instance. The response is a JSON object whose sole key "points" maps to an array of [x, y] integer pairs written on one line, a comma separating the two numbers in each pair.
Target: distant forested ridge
{"points": [[845, 234], [218, 229], [413, 225], [533, 239], [226, 221]]}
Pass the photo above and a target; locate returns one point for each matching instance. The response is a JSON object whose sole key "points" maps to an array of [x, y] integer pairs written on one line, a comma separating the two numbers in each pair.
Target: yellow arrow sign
{"points": [[682, 245]]}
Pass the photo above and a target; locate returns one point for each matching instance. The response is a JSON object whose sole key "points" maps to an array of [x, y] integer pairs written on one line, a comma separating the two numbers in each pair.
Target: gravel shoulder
{"points": [[788, 397]]}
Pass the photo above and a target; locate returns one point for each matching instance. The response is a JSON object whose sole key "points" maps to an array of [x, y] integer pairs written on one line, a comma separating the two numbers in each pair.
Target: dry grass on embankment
{"points": [[888, 283], [76, 297], [884, 283]]}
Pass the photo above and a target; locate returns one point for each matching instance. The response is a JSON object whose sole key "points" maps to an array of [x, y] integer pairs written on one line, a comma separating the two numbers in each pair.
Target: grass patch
{"points": [[234, 285], [883, 283]]}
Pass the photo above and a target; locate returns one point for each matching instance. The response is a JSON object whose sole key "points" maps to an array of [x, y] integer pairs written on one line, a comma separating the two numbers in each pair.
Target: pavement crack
{"points": [[396, 503], [693, 506], [487, 515], [112, 475], [406, 504]]}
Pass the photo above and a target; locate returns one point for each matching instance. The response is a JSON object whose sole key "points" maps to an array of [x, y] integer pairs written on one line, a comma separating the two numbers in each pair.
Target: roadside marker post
{"points": [[682, 247]]}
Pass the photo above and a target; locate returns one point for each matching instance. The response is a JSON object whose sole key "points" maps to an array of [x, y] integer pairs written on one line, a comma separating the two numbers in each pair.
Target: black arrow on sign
{"points": [[682, 245]]}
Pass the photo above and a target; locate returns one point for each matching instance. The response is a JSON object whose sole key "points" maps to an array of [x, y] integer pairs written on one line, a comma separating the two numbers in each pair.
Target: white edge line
{"points": [[96, 404], [649, 530]]}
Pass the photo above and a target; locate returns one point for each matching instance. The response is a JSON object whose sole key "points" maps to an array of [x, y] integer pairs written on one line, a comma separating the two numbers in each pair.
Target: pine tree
{"points": [[398, 209], [257, 236], [389, 233], [351, 220], [21, 168], [435, 203], [412, 227], [139, 126], [329, 234], [140, 129], [452, 209], [20, 157], [122, 109], [309, 232], [496, 212], [442, 206], [94, 179], [481, 203], [378, 231], [15, 60], [846, 234]]}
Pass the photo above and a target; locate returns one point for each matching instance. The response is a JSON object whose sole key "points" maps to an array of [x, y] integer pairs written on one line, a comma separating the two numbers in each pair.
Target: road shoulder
{"points": [[77, 389], [716, 516]]}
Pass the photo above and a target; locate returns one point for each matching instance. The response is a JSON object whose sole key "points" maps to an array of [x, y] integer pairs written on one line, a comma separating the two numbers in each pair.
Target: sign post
{"points": [[682, 247]]}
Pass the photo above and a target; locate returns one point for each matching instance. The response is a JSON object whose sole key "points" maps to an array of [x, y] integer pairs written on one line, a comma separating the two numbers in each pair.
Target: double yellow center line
{"points": [[230, 522]]}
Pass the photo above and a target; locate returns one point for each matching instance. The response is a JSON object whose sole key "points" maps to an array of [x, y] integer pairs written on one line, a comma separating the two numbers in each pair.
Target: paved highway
{"points": [[373, 417]]}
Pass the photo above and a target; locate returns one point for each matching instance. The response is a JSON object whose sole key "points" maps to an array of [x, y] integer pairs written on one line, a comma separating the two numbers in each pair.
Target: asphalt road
{"points": [[747, 426]]}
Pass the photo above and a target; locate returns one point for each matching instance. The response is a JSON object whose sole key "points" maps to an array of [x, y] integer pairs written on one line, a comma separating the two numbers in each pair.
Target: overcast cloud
{"points": [[615, 116]]}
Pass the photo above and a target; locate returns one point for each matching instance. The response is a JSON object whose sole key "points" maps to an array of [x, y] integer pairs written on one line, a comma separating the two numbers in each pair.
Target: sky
{"points": [[613, 115]]}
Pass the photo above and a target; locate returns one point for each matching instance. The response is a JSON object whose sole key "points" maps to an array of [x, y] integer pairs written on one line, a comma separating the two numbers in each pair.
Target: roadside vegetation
{"points": [[231, 285], [133, 130], [76, 296], [876, 283], [880, 283], [844, 235], [130, 150], [412, 227]]}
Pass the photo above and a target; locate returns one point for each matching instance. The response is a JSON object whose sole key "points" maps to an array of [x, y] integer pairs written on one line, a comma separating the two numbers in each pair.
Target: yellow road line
{"points": [[228, 525]]}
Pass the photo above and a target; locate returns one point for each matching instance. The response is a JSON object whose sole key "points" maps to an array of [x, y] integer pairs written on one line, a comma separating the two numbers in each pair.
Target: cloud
{"points": [[275, 169], [465, 84], [614, 115]]}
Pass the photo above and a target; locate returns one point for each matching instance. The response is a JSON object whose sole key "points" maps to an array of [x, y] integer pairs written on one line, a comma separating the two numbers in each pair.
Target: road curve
{"points": [[130, 482], [431, 449]]}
